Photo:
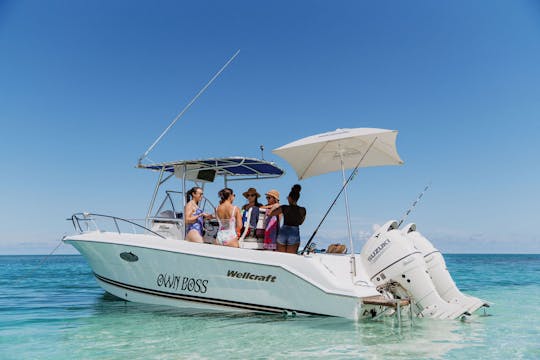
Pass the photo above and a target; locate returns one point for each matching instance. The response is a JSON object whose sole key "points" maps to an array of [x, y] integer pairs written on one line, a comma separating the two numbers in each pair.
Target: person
{"points": [[272, 221], [252, 197], [229, 218], [293, 216], [194, 216]]}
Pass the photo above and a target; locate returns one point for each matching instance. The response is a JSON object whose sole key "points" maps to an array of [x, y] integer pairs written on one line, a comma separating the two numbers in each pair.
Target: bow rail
{"points": [[89, 222]]}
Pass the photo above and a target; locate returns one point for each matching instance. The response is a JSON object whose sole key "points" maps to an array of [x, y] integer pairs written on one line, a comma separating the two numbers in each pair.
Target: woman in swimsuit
{"points": [[194, 215], [293, 216], [229, 218]]}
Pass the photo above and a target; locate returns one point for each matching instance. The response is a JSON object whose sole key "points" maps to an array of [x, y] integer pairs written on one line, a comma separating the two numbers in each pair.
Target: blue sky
{"points": [[86, 87]]}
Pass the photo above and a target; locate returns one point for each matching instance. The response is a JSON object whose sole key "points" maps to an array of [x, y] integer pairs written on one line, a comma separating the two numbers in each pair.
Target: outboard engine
{"points": [[389, 257], [436, 267]]}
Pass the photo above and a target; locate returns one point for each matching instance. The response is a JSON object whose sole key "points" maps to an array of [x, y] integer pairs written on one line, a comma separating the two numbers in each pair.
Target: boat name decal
{"points": [[378, 251], [250, 276], [183, 283]]}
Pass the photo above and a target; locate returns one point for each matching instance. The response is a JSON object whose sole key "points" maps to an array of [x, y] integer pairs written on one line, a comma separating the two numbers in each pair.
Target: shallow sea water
{"points": [[57, 311]]}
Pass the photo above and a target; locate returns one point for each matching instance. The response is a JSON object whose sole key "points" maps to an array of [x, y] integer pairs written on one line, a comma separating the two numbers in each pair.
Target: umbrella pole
{"points": [[353, 173], [348, 214]]}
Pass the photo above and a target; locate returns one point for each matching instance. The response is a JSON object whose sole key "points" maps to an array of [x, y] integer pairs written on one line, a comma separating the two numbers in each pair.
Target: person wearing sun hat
{"points": [[271, 222], [252, 197], [273, 193], [253, 203]]}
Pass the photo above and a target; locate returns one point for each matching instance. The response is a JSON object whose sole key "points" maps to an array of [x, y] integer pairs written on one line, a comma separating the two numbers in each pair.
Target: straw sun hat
{"points": [[251, 191], [273, 193]]}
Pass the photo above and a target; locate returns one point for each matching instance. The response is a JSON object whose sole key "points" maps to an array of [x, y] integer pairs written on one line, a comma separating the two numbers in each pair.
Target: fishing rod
{"points": [[413, 205], [188, 106], [353, 174]]}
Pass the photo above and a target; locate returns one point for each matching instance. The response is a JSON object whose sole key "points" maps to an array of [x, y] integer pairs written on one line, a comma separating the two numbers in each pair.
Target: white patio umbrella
{"points": [[323, 153], [340, 150]]}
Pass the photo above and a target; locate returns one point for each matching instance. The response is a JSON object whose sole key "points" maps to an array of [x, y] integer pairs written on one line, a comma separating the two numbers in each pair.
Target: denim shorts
{"points": [[289, 235]]}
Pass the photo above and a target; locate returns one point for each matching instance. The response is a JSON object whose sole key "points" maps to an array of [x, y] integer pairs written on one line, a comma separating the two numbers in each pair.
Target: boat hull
{"points": [[204, 277]]}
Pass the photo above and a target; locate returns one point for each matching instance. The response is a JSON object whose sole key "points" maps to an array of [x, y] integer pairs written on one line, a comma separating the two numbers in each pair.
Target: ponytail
{"points": [[224, 195], [295, 192], [190, 192]]}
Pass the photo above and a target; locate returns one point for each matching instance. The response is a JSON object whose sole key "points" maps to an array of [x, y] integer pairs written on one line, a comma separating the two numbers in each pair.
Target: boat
{"points": [[397, 271], [152, 263]]}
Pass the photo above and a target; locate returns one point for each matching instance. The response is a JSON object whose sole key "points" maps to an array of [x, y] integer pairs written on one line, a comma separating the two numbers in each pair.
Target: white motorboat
{"points": [[152, 263]]}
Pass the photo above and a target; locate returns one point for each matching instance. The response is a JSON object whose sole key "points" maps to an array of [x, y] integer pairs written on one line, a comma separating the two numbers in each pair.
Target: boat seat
{"points": [[168, 224], [167, 216]]}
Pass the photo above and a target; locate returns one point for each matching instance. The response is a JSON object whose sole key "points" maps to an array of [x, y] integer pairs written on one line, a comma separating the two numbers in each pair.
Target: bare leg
{"points": [[281, 248], [293, 249], [233, 243], [194, 236]]}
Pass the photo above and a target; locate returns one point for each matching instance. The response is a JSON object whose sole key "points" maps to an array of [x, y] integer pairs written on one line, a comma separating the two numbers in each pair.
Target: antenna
{"points": [[188, 106], [413, 205], [262, 151]]}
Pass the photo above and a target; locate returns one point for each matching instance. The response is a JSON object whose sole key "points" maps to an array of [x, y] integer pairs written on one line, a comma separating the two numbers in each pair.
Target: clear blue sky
{"points": [[86, 87]]}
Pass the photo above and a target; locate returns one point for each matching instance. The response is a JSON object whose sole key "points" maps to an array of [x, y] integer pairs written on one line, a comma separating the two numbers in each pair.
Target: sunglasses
{"points": [[251, 195], [270, 197]]}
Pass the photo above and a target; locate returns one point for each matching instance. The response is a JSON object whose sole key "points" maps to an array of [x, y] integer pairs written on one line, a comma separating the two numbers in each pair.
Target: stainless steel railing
{"points": [[88, 222]]}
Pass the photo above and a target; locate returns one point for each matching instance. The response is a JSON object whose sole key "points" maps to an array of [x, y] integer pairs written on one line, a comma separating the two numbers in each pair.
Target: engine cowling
{"points": [[436, 267], [389, 257]]}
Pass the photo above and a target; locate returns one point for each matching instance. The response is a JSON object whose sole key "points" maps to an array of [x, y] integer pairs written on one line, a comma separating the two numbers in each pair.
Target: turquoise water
{"points": [[58, 311]]}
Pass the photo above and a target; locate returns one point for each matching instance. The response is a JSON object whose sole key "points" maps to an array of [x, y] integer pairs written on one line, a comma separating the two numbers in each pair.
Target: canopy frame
{"points": [[229, 168]]}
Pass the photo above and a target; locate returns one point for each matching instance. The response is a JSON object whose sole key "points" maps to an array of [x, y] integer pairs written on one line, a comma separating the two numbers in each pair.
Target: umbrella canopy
{"points": [[322, 153]]}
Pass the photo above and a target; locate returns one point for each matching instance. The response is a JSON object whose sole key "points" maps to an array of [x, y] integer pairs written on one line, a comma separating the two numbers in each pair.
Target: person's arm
{"points": [[209, 216], [275, 210], [302, 214], [216, 212], [190, 211], [238, 221]]}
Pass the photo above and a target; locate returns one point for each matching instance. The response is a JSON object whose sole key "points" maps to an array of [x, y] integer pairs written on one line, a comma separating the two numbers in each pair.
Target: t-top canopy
{"points": [[231, 166]]}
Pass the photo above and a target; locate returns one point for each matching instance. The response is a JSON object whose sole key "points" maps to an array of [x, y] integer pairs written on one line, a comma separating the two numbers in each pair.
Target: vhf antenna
{"points": [[413, 205], [188, 106], [262, 151]]}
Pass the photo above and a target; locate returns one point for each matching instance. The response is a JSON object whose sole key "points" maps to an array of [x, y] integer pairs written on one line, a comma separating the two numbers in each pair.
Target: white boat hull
{"points": [[148, 269]]}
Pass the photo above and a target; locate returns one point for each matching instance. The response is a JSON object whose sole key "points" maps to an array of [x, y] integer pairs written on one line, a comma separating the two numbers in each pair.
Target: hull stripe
{"points": [[180, 252], [204, 300]]}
